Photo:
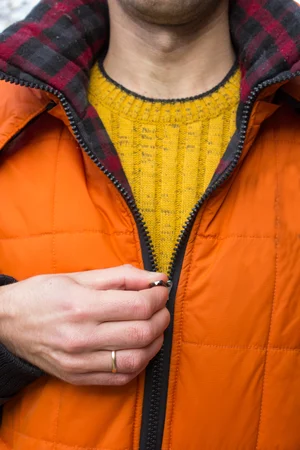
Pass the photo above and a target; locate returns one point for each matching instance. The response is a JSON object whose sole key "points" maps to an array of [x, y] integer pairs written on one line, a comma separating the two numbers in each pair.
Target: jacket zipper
{"points": [[156, 386]]}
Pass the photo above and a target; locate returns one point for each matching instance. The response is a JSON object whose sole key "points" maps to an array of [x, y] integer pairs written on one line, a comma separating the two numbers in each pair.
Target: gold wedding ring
{"points": [[114, 361]]}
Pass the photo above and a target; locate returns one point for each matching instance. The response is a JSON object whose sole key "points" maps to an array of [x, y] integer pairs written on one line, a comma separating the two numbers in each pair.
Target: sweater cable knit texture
{"points": [[169, 149]]}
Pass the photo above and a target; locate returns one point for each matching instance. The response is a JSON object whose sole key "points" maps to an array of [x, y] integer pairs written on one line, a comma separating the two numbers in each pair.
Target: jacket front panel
{"points": [[63, 215], [235, 370]]}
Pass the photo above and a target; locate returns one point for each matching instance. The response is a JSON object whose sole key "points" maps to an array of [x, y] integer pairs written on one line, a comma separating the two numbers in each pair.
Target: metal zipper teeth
{"points": [[157, 384], [128, 198]]}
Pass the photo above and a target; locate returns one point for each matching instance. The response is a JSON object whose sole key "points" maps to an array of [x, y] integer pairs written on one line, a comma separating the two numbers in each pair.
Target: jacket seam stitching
{"points": [[233, 236], [276, 242], [88, 177], [56, 419], [246, 347], [54, 267], [75, 447], [51, 233], [54, 262], [283, 141]]}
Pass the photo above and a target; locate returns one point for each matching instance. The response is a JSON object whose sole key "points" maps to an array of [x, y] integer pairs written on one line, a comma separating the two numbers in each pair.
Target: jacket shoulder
{"points": [[18, 105]]}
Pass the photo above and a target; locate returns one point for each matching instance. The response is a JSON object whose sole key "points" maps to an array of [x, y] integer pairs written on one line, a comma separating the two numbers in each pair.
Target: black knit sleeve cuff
{"points": [[15, 373], [5, 280]]}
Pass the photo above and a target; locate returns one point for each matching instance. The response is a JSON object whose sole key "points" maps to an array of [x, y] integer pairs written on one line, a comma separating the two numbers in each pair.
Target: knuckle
{"points": [[141, 334], [77, 313], [133, 334], [74, 345], [68, 346], [146, 333], [132, 362], [53, 283], [150, 332], [143, 307]]}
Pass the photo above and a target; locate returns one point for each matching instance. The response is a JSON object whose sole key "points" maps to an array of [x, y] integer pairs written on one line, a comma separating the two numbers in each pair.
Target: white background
{"points": [[13, 10]]}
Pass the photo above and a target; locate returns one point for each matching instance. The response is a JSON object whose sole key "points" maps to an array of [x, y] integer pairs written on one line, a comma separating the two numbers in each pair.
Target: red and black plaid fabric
{"points": [[59, 41]]}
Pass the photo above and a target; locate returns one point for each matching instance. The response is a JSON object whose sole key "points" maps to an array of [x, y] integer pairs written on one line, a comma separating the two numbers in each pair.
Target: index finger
{"points": [[114, 305], [122, 277]]}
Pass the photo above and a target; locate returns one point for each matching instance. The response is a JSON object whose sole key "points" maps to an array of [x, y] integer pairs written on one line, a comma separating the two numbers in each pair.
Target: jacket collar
{"points": [[58, 43], [266, 35]]}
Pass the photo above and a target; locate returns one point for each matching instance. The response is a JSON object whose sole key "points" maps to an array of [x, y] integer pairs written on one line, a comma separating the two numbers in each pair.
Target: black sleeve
{"points": [[15, 373]]}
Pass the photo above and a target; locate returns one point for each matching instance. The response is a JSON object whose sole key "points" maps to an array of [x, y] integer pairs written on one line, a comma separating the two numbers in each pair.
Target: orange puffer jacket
{"points": [[228, 377]]}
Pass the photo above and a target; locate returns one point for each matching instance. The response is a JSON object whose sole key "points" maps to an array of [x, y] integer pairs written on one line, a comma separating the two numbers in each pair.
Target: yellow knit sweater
{"points": [[169, 149]]}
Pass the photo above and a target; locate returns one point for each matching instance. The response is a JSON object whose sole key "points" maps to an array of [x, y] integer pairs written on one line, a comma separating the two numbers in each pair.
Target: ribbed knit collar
{"points": [[105, 91]]}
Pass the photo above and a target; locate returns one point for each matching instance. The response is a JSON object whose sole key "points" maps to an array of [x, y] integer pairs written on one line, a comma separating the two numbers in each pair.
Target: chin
{"points": [[170, 12]]}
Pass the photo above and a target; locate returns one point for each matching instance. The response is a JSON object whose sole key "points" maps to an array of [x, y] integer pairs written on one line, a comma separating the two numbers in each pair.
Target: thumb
{"points": [[124, 277]]}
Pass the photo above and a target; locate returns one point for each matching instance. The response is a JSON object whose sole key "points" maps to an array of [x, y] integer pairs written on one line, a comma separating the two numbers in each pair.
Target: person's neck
{"points": [[165, 62]]}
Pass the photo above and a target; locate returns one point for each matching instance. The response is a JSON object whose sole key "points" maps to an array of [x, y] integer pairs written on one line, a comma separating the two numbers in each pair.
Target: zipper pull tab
{"points": [[162, 283]]}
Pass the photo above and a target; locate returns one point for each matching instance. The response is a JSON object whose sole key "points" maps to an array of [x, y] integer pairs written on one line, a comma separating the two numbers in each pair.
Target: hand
{"points": [[68, 324]]}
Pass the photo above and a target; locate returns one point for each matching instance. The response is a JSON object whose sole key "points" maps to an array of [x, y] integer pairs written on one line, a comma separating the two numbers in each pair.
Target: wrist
{"points": [[5, 280]]}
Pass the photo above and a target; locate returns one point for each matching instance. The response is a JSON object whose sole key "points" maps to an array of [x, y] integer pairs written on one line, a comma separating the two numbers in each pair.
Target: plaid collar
{"points": [[58, 43]]}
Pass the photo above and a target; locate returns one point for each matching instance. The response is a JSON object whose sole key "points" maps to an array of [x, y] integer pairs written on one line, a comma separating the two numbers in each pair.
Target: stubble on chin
{"points": [[169, 12]]}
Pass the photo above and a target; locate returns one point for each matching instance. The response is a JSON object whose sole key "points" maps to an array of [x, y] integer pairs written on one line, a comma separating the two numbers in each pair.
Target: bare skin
{"points": [[68, 324], [169, 49]]}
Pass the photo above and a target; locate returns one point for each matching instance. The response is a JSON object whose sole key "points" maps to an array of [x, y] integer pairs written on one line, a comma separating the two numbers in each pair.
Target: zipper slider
{"points": [[162, 283]]}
